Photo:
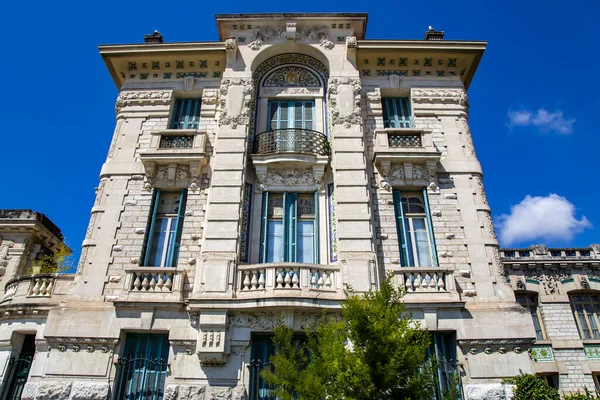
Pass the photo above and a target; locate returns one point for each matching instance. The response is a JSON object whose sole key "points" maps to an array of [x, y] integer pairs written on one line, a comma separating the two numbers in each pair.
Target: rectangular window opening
{"points": [[186, 114], [396, 112]]}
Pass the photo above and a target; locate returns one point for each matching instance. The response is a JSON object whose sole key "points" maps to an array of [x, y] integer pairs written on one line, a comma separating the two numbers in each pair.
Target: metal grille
{"points": [[404, 140], [176, 142], [291, 140]]}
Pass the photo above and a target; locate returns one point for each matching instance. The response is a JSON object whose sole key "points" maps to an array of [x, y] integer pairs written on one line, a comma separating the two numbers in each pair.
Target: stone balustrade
{"points": [[272, 277], [422, 281], [153, 284], [32, 288]]}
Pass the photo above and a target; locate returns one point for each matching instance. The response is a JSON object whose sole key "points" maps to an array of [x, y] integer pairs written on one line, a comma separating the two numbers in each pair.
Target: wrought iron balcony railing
{"points": [[291, 140], [176, 142]]}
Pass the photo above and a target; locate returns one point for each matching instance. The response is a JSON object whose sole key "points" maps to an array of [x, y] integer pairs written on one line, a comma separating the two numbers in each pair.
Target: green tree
{"points": [[53, 263], [375, 351], [531, 387]]}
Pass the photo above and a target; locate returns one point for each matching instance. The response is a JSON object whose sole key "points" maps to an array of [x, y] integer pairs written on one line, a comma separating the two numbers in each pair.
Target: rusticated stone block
{"points": [[89, 391]]}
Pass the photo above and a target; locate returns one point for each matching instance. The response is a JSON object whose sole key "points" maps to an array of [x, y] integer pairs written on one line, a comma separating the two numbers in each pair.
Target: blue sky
{"points": [[532, 100]]}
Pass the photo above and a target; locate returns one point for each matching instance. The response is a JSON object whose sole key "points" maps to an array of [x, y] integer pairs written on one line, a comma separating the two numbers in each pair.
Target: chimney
{"points": [[156, 37], [432, 34]]}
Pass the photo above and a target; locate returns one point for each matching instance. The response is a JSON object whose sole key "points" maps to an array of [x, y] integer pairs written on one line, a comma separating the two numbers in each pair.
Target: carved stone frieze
{"points": [[315, 34], [290, 90], [129, 98], [549, 277], [289, 177], [268, 34], [255, 321], [77, 343], [458, 96]]}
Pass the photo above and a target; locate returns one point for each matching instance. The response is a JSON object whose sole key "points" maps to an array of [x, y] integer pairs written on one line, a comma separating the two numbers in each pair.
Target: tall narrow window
{"points": [[396, 112], [290, 227], [290, 118], [415, 233], [143, 367], [531, 303], [186, 114], [17, 371], [261, 352], [443, 352], [161, 246], [586, 309]]}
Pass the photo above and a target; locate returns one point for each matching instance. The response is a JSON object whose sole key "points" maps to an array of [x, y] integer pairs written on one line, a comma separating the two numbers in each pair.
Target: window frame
{"points": [[533, 301], [170, 255], [394, 104], [190, 120], [291, 107], [593, 300], [290, 227], [410, 257]]}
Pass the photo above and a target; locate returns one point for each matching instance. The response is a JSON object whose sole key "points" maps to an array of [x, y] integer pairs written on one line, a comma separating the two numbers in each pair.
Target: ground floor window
{"points": [[551, 380], [18, 369], [143, 367], [443, 352], [262, 350]]}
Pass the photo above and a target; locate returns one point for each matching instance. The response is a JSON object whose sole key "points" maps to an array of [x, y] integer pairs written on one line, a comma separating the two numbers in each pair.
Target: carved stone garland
{"points": [[354, 118], [135, 98], [244, 117]]}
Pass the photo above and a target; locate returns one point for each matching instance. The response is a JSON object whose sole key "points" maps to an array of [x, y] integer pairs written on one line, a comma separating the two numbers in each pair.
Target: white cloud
{"points": [[542, 119], [541, 218]]}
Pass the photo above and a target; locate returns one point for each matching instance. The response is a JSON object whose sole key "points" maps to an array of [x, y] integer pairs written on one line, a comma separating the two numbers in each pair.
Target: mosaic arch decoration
{"points": [[291, 76], [273, 64]]}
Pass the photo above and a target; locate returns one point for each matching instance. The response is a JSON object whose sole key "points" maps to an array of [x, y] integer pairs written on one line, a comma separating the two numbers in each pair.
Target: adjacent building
{"points": [[255, 178]]}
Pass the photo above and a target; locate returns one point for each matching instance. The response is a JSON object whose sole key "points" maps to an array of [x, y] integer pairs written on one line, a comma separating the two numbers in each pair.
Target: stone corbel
{"points": [[188, 82], [290, 30], [261, 172], [212, 337], [318, 171], [408, 171], [394, 81], [150, 167], [431, 172], [351, 47], [231, 47], [195, 172], [384, 170]]}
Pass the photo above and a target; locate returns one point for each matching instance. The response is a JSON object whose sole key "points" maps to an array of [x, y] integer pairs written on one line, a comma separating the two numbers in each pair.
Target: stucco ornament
{"points": [[229, 117], [316, 34], [129, 98], [289, 177], [267, 34], [255, 321], [337, 116]]}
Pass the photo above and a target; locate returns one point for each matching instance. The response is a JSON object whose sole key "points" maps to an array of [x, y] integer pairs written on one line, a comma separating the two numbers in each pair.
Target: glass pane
{"points": [[275, 241], [308, 115], [275, 208], [283, 115], [157, 245], [536, 323], [306, 205], [274, 108], [422, 242], [409, 241], [298, 115], [171, 243], [306, 242]]}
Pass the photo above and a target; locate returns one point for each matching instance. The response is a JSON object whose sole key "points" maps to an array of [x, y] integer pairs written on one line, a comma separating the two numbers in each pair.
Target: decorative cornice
{"points": [[458, 96], [130, 98]]}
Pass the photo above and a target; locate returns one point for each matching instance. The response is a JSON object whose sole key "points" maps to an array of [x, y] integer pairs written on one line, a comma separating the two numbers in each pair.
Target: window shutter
{"points": [[150, 226], [290, 218], [178, 229], [263, 227], [430, 227], [316, 225], [400, 228]]}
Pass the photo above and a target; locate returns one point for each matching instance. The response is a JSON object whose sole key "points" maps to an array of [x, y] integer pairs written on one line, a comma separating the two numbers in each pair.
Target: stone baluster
{"points": [[36, 288], [261, 279], [254, 280], [279, 279], [246, 283]]}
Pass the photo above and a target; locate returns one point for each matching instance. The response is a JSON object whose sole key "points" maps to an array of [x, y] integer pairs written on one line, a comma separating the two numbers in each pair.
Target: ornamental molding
{"points": [[267, 34], [131, 98], [468, 140], [243, 118], [399, 174], [489, 346], [274, 91], [180, 175], [256, 321], [337, 118], [6, 344], [76, 344], [458, 96], [316, 34], [290, 177]]}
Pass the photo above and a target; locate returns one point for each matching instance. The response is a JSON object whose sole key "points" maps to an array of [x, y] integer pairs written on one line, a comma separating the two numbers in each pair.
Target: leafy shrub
{"points": [[531, 387]]}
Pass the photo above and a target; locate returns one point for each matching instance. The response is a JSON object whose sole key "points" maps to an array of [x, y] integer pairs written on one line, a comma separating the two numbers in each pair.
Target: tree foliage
{"points": [[531, 387], [375, 351], [53, 263]]}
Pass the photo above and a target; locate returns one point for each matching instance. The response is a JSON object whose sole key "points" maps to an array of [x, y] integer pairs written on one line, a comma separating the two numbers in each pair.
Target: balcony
{"points": [[180, 153], [426, 284], [303, 150], [403, 145], [152, 284], [35, 290], [277, 280]]}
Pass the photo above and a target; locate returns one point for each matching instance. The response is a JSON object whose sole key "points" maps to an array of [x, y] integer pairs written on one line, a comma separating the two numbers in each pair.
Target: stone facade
{"points": [[208, 305], [553, 280]]}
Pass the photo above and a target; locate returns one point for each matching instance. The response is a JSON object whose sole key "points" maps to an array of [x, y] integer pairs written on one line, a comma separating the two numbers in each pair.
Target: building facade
{"points": [[255, 178]]}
